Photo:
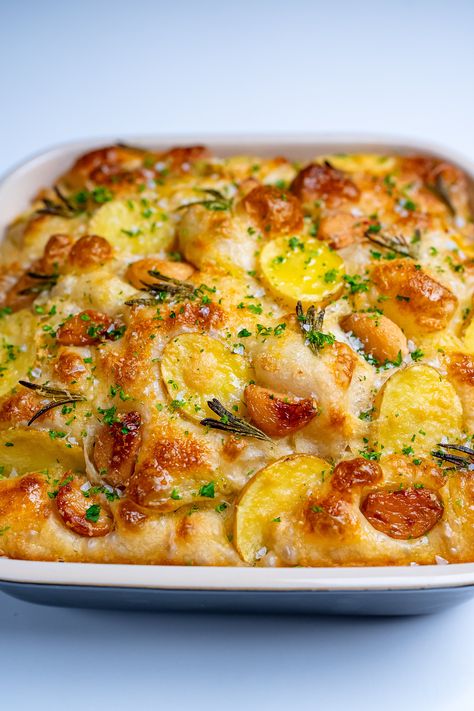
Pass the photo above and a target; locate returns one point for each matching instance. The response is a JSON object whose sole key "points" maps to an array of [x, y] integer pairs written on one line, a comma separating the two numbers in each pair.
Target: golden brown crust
{"points": [[69, 366], [168, 462], [18, 408], [24, 502], [413, 294], [461, 367]]}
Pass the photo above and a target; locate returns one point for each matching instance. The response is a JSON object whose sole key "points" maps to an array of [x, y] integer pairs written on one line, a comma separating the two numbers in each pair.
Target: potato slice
{"points": [[306, 270], [17, 349], [276, 492], [434, 344], [197, 368], [373, 163], [131, 228], [418, 408], [412, 298], [29, 450]]}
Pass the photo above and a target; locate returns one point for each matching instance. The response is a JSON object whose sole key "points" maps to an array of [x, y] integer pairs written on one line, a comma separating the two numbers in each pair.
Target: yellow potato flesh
{"points": [[17, 348], [468, 340], [418, 409], [373, 163], [196, 368], [131, 227], [278, 491], [432, 344], [306, 270], [30, 450]]}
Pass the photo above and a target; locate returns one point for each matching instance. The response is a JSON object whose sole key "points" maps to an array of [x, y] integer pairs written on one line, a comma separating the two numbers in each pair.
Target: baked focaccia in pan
{"points": [[239, 361]]}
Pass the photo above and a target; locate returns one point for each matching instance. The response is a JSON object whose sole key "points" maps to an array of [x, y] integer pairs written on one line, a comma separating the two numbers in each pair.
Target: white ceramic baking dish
{"points": [[370, 590]]}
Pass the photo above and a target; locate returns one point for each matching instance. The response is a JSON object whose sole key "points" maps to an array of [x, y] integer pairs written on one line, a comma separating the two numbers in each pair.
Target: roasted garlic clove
{"points": [[277, 414]]}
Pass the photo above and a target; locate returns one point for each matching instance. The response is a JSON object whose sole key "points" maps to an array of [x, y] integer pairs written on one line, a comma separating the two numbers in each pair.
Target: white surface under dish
{"points": [[16, 191]]}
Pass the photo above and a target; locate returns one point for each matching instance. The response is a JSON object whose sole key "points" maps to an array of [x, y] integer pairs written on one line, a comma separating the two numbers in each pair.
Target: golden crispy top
{"points": [[239, 361]]}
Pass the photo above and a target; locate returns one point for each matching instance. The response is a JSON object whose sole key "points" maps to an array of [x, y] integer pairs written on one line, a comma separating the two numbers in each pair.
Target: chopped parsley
{"points": [[93, 513], [356, 283], [207, 490], [331, 276]]}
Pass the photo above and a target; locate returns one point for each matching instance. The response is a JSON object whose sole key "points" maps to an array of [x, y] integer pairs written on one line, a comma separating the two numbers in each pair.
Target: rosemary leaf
{"points": [[217, 201], [462, 462], [131, 147], [165, 285], [397, 243], [62, 208], [142, 301], [181, 285], [441, 190], [45, 282], [56, 396], [68, 205], [230, 423]]}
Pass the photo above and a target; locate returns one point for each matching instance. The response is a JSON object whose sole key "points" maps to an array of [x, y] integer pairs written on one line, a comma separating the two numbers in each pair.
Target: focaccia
{"points": [[239, 361]]}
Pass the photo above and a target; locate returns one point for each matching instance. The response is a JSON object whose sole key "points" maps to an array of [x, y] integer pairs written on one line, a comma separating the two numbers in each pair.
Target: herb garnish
{"points": [[216, 201], [311, 325], [356, 283], [441, 190], [207, 490], [44, 282], [230, 423], [57, 397], [63, 208], [459, 461], [93, 513], [164, 285], [395, 243]]}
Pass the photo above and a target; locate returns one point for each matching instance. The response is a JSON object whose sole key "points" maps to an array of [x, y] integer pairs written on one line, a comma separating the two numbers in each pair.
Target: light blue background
{"points": [[71, 70]]}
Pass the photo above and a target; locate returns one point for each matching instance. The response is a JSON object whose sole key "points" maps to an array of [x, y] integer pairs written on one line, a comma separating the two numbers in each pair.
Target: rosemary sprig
{"points": [[171, 282], [397, 243], [462, 462], [131, 147], [311, 325], [45, 282], [58, 397], [142, 301], [63, 208], [230, 423], [441, 191], [217, 201], [164, 285]]}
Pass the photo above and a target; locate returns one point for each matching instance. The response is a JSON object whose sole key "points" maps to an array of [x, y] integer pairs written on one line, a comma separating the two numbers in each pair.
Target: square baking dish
{"points": [[396, 590]]}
